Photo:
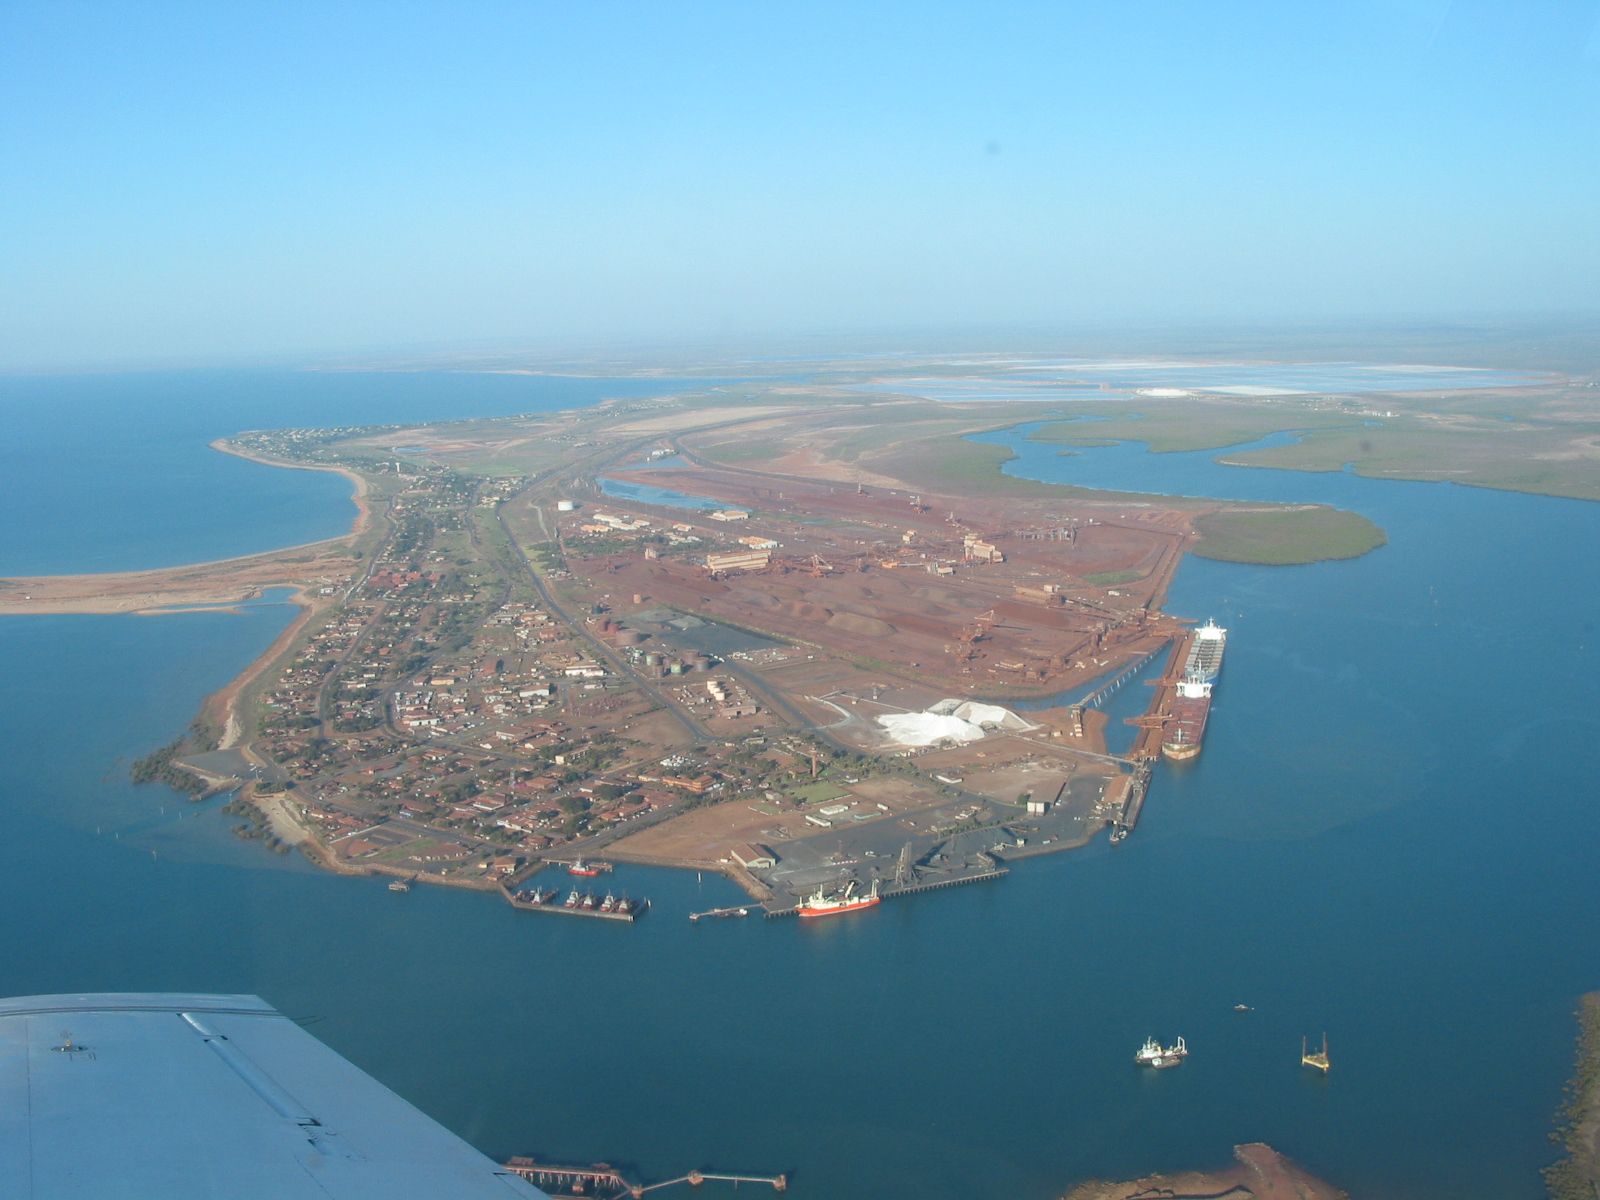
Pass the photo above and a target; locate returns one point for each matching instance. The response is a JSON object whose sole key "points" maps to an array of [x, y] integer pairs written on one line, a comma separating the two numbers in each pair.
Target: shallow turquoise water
{"points": [[1390, 835]]}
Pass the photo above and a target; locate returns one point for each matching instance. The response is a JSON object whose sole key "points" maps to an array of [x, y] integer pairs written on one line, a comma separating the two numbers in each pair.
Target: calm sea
{"points": [[1390, 836], [113, 472]]}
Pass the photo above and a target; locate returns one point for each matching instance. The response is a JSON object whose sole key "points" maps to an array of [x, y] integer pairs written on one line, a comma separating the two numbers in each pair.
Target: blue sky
{"points": [[212, 182]]}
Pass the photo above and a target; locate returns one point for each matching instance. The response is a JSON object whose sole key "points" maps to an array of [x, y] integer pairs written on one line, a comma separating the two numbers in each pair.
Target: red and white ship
{"points": [[588, 869], [820, 904]]}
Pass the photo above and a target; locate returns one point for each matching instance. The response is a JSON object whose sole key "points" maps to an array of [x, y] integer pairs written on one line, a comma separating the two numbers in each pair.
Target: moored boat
{"points": [[1154, 1054], [820, 904], [1186, 720]]}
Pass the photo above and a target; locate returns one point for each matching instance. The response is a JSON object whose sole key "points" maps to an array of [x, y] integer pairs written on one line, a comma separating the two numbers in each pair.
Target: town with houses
{"points": [[542, 650]]}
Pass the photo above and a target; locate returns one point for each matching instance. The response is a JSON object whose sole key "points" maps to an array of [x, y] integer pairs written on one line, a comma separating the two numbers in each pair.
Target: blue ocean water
{"points": [[1390, 836], [114, 472]]}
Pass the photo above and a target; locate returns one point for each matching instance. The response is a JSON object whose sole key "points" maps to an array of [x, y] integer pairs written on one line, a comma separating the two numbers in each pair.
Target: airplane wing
{"points": [[189, 1097]]}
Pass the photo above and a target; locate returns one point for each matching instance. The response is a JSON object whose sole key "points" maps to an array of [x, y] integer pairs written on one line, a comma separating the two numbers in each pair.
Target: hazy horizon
{"points": [[189, 186]]}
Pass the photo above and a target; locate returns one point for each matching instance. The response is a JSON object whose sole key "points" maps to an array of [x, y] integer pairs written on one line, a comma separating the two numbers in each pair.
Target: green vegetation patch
{"points": [[958, 466], [1551, 461], [954, 464], [757, 450], [820, 792], [1169, 426], [892, 431], [1285, 536], [1112, 578]]}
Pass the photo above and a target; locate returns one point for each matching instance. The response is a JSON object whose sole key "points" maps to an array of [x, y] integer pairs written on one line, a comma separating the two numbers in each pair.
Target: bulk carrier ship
{"points": [[1186, 722]]}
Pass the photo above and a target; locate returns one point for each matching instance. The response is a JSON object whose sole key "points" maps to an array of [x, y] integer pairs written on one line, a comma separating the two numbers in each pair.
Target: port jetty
{"points": [[576, 904]]}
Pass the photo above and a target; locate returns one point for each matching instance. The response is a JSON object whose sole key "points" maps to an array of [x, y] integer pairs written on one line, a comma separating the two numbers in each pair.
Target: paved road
{"points": [[602, 651]]}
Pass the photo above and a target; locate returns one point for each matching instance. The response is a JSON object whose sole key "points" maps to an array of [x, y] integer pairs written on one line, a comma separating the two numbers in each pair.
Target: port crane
{"points": [[904, 868]]}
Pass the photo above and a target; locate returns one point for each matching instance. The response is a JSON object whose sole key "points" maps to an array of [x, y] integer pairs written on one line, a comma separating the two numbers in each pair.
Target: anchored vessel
{"points": [[1186, 724], [820, 904], [1154, 1054], [1316, 1059]]}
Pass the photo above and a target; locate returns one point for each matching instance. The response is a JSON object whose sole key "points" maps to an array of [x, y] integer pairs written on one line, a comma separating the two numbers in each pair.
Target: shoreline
{"points": [[223, 704], [186, 587], [222, 709], [1576, 1176], [358, 481]]}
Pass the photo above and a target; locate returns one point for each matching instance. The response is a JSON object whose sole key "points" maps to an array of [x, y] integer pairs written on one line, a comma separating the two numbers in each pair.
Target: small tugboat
{"points": [[588, 900], [609, 903], [1154, 1054], [588, 869], [572, 900]]}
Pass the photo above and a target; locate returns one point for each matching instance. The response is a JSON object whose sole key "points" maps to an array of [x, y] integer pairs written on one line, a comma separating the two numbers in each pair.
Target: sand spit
{"points": [[197, 587]]}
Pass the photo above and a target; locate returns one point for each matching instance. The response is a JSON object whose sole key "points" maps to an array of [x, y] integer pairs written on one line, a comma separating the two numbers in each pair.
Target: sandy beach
{"points": [[203, 586], [358, 482]]}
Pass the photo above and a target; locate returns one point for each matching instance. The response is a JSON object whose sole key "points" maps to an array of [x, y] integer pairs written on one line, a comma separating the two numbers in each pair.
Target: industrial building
{"points": [[739, 560]]}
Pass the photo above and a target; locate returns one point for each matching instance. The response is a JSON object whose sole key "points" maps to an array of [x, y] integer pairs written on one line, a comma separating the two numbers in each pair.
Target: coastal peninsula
{"points": [[805, 635]]}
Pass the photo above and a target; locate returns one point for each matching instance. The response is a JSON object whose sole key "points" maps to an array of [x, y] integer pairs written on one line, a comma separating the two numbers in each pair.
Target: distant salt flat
{"points": [[1253, 389], [986, 390], [1066, 380]]}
